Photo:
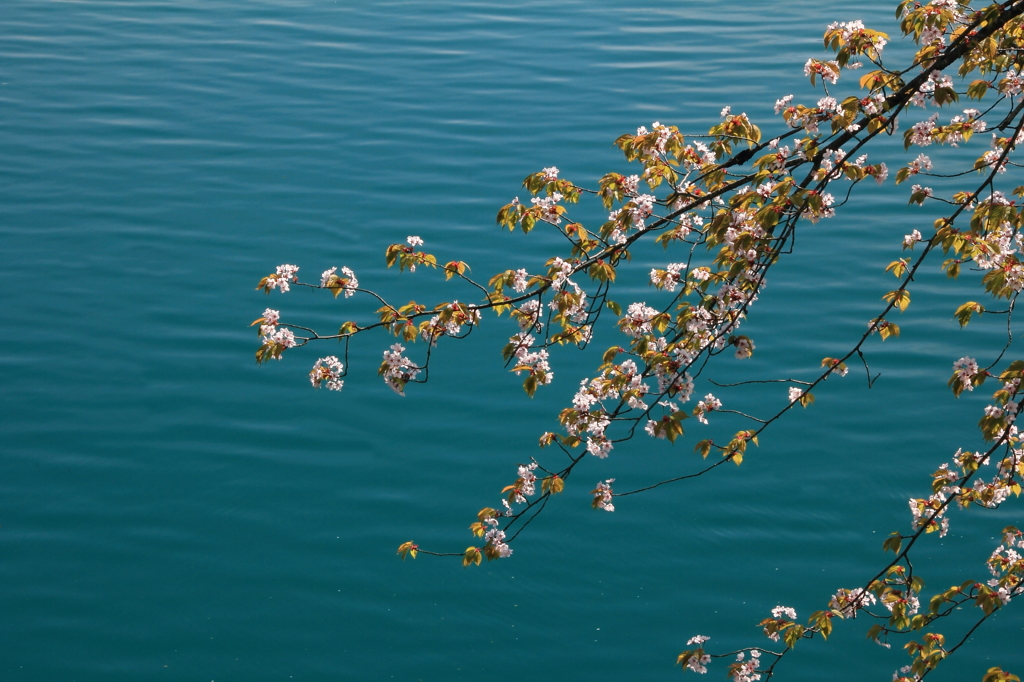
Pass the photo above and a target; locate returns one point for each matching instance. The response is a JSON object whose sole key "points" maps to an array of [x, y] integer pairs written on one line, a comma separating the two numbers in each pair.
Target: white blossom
{"points": [[327, 370], [603, 496], [283, 278], [709, 404], [397, 369], [520, 280], [780, 611]]}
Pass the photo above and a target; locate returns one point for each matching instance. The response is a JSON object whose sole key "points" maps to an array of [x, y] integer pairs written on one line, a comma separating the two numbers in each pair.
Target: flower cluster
{"points": [[274, 340], [588, 416], [327, 370], [449, 321], [662, 429], [932, 35], [921, 163], [859, 39], [872, 104], [661, 135], [495, 547], [922, 192], [709, 404], [922, 133], [744, 347], [782, 618], [638, 320], [632, 215], [965, 369], [1000, 250], [397, 369], [549, 208], [561, 269], [534, 362], [697, 155], [282, 279], [1007, 566], [695, 660], [270, 318], [745, 670], [906, 600], [829, 71], [930, 512], [520, 280], [571, 302], [528, 315], [671, 374], [822, 209], [670, 277], [630, 184], [1012, 83], [995, 158], [958, 125], [685, 223], [526, 485], [603, 496], [848, 602], [927, 90], [347, 283]]}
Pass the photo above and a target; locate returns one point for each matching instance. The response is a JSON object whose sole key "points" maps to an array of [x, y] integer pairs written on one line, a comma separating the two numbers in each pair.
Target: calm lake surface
{"points": [[171, 511]]}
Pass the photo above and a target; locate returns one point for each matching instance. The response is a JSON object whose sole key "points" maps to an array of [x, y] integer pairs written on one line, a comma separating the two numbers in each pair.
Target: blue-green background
{"points": [[171, 511]]}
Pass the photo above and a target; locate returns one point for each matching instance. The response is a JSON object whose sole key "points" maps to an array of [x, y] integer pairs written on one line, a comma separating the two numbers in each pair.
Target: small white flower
{"points": [[912, 238]]}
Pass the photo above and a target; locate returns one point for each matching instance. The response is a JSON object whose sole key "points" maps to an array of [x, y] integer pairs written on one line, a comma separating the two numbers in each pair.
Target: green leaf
{"points": [[963, 313], [894, 542], [793, 635], [472, 556]]}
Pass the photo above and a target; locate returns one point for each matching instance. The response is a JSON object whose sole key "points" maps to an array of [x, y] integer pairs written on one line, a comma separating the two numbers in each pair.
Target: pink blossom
{"points": [[781, 104]]}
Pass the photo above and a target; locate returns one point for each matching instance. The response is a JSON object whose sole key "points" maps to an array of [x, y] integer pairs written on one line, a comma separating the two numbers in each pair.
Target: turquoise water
{"points": [[168, 510]]}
